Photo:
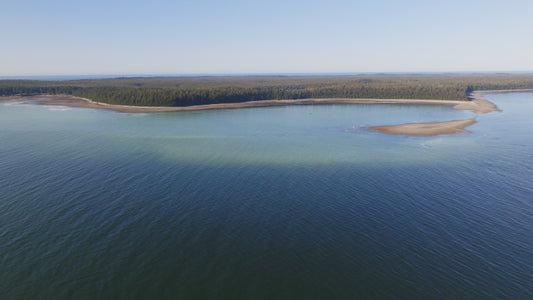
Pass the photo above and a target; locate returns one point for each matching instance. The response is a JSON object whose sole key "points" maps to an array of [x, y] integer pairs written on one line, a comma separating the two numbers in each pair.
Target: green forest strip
{"points": [[189, 91]]}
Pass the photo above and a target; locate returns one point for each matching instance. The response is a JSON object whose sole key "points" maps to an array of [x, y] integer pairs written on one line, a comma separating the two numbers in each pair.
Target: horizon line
{"points": [[127, 75]]}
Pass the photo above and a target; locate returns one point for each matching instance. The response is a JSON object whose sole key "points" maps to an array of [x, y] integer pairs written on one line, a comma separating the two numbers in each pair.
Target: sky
{"points": [[57, 37]]}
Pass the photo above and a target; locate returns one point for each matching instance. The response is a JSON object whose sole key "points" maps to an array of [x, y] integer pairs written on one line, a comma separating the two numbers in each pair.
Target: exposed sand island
{"points": [[426, 129], [477, 105]]}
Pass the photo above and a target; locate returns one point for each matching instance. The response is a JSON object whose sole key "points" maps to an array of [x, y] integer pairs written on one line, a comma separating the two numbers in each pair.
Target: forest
{"points": [[186, 91]]}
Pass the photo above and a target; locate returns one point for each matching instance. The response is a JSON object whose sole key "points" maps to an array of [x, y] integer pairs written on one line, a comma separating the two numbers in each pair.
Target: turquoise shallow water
{"points": [[265, 203]]}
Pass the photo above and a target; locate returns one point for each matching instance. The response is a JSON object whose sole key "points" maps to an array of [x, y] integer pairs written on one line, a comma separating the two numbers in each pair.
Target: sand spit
{"points": [[478, 105], [72, 101], [427, 129]]}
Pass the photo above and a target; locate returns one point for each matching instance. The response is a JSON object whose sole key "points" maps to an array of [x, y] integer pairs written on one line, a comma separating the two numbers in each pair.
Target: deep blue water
{"points": [[298, 202]]}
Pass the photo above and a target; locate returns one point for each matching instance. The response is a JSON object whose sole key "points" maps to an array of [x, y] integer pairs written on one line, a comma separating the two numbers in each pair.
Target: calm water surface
{"points": [[265, 203]]}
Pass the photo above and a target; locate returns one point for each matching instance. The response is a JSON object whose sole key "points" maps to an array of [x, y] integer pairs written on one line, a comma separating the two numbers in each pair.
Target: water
{"points": [[265, 203]]}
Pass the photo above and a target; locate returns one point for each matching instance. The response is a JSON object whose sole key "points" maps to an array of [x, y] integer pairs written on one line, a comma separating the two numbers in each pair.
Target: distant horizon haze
{"points": [[109, 76]]}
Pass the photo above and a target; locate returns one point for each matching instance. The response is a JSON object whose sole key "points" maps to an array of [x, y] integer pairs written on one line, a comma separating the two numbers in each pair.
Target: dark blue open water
{"points": [[299, 202]]}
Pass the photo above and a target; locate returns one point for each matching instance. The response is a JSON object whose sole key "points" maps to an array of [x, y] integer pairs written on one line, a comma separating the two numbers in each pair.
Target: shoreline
{"points": [[477, 105], [481, 93]]}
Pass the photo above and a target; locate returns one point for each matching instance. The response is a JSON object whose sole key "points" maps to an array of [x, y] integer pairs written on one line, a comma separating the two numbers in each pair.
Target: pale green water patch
{"points": [[303, 134]]}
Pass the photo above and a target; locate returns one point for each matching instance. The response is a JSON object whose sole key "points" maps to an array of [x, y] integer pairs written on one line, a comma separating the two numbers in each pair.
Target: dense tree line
{"points": [[185, 91]]}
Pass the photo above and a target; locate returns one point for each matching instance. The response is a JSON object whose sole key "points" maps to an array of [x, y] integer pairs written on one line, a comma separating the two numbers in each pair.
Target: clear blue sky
{"points": [[290, 36]]}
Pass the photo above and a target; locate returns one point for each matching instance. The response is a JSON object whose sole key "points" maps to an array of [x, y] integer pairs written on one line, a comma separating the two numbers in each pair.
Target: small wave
{"points": [[14, 103], [59, 109], [355, 127], [433, 142]]}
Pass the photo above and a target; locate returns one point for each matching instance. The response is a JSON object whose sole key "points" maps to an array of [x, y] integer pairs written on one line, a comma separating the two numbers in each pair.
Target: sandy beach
{"points": [[481, 94], [478, 105]]}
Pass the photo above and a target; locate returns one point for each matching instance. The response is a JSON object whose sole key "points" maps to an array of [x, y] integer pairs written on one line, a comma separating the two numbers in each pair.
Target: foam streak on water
{"points": [[262, 203]]}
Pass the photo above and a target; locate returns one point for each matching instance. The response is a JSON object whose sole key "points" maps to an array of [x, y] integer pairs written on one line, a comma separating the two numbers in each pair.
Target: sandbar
{"points": [[426, 129], [477, 105]]}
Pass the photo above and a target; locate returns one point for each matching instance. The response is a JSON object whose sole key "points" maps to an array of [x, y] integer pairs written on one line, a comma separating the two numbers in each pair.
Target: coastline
{"points": [[477, 105], [482, 93]]}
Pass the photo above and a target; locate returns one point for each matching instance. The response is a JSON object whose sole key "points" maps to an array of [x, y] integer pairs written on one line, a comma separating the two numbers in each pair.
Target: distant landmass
{"points": [[203, 90]]}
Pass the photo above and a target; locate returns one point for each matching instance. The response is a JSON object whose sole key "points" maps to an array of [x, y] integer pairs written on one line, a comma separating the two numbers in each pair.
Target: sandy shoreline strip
{"points": [[483, 93], [73, 101], [478, 105]]}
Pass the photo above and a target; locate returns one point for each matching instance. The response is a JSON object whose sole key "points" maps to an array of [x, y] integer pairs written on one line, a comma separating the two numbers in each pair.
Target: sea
{"points": [[293, 202]]}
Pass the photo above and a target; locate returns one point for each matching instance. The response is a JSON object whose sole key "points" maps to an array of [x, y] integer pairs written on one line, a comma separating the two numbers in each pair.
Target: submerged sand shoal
{"points": [[479, 106]]}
